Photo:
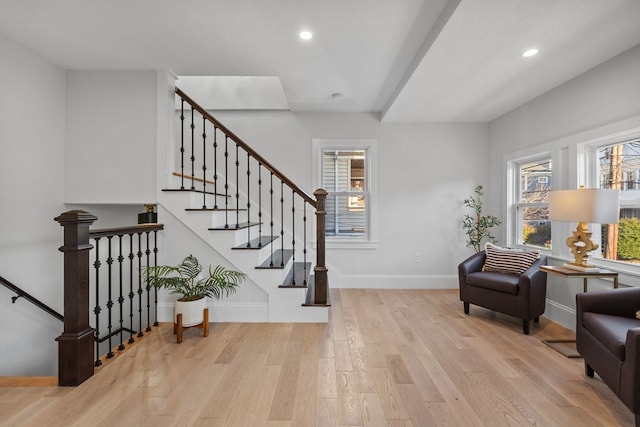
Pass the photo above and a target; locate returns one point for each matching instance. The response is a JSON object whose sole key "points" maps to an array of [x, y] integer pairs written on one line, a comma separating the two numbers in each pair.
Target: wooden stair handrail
{"points": [[247, 148], [33, 300]]}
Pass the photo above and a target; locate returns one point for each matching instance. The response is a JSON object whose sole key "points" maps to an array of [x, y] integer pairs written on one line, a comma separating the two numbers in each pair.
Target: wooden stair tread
{"points": [[257, 243], [297, 272], [309, 299], [280, 259]]}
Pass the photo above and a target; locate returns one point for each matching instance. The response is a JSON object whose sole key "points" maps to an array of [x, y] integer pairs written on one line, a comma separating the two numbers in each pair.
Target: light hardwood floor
{"points": [[387, 358]]}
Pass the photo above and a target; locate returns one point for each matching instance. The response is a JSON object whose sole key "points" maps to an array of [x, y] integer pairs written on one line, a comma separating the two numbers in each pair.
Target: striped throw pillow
{"points": [[506, 260]]}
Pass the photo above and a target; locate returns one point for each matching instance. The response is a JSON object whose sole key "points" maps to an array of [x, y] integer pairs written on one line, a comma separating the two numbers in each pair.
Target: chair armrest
{"points": [[618, 302], [532, 278], [630, 374], [472, 264]]}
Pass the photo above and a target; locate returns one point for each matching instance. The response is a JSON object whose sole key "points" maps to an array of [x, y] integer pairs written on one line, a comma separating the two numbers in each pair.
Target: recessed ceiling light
{"points": [[306, 35], [529, 53]]}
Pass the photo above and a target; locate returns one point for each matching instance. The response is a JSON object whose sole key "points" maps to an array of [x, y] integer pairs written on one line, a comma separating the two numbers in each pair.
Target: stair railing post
{"points": [[75, 345], [320, 270]]}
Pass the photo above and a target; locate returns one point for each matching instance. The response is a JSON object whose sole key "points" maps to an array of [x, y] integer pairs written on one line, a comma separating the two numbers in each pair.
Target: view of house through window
{"points": [[344, 176], [619, 168], [533, 203]]}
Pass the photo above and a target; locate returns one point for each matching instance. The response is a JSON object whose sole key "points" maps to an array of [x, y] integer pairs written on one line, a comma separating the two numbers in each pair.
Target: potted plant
{"points": [[478, 226], [185, 279]]}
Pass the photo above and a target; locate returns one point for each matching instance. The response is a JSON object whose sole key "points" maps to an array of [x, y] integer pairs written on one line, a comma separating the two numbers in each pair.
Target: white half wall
{"points": [[32, 136], [111, 143]]}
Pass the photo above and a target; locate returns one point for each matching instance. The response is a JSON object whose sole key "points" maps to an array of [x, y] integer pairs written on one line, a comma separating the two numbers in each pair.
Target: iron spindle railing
{"points": [[293, 238], [140, 291], [260, 203], [193, 154], [131, 295], [271, 216], [182, 150], [238, 185], [281, 223], [109, 299], [237, 163], [204, 164], [249, 199], [121, 299], [80, 347], [97, 309]]}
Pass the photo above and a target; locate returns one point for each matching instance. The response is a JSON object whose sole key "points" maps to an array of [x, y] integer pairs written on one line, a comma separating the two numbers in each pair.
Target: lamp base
{"points": [[586, 269]]}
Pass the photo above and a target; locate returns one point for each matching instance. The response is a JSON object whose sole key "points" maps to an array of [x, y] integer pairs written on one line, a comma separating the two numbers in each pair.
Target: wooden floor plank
{"points": [[400, 358]]}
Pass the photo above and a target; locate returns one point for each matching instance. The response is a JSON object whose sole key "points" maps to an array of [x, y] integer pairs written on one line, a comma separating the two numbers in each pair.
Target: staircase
{"points": [[251, 214]]}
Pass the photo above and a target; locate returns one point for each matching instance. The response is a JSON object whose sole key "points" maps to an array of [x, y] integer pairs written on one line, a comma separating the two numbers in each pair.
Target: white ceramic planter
{"points": [[192, 311]]}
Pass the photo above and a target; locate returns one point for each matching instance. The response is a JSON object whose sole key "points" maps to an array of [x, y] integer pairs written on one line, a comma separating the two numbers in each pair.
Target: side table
{"points": [[563, 346]]}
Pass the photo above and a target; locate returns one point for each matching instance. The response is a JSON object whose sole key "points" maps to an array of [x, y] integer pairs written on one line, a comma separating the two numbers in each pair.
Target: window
{"points": [[618, 167], [345, 179], [532, 206], [346, 169]]}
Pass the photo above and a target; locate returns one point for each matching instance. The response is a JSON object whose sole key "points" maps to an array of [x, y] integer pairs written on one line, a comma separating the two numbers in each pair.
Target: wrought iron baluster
{"points": [[259, 204], [226, 181], [193, 153], [140, 333], [237, 188], [97, 309], [281, 223], [109, 299], [271, 218], [293, 238], [182, 145], [215, 167], [131, 294], [304, 246], [147, 286], [204, 164], [249, 200], [121, 296], [155, 290]]}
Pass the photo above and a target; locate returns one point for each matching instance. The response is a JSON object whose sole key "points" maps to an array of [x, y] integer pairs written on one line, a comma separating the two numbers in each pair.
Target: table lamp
{"points": [[599, 206]]}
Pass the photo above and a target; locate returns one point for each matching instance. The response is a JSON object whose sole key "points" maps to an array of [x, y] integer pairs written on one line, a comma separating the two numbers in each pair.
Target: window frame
{"points": [[368, 240], [514, 195], [587, 152]]}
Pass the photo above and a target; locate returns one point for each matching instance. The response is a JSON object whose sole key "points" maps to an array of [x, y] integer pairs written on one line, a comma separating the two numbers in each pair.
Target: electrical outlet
{"points": [[417, 257]]}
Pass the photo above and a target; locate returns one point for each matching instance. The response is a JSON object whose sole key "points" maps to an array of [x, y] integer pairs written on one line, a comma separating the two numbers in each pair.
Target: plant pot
{"points": [[192, 311]]}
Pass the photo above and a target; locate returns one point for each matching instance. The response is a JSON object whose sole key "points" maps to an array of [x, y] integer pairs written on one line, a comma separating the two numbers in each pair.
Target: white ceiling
{"points": [[409, 60]]}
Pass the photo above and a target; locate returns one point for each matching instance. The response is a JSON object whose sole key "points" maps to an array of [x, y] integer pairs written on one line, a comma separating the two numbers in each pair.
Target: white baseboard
{"points": [[559, 313]]}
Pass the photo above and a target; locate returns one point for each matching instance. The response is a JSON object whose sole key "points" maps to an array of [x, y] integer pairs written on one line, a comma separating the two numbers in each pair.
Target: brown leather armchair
{"points": [[522, 296], [608, 338]]}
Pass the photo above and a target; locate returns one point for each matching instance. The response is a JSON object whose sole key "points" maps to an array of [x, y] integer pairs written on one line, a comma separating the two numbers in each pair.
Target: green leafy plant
{"points": [[629, 239], [478, 226], [184, 279]]}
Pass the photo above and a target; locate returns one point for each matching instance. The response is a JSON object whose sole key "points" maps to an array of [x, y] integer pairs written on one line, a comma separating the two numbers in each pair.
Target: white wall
{"points": [[423, 173], [595, 104], [111, 137], [32, 136]]}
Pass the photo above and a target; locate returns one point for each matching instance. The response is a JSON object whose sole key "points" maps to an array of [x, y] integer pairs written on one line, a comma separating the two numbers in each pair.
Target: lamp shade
{"points": [[597, 206]]}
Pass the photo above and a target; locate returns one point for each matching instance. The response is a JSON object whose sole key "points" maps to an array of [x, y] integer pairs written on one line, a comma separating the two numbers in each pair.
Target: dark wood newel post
{"points": [[321, 284], [75, 345]]}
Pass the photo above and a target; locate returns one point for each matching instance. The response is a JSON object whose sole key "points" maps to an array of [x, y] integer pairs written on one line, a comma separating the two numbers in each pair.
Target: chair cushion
{"points": [[506, 260], [610, 330], [500, 282]]}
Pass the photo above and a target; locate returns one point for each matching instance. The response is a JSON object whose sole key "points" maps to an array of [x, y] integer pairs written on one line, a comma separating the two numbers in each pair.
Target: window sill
{"points": [[347, 243]]}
